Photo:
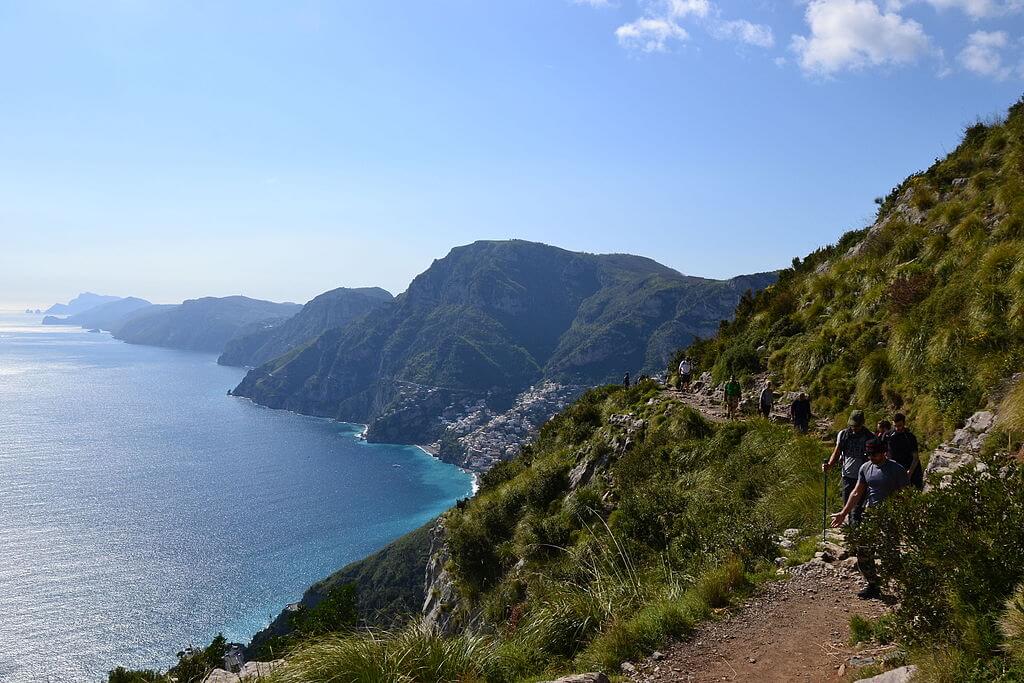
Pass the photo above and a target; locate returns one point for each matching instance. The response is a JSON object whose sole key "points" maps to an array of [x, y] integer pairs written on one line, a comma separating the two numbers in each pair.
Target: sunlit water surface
{"points": [[142, 509]]}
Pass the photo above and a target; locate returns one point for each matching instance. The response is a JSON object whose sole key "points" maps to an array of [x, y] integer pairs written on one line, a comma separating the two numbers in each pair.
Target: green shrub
{"points": [[1011, 623]]}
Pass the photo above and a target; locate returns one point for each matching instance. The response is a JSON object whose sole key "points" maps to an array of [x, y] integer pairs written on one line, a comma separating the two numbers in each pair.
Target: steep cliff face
{"points": [[488, 321], [331, 310]]}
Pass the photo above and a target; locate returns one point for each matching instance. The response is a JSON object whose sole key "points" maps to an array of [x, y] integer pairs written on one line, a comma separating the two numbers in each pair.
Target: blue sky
{"points": [[172, 149]]}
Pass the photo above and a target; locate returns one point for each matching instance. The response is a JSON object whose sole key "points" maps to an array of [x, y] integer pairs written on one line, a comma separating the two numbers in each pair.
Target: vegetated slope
{"points": [[922, 312], [490, 319], [80, 304], [389, 588], [108, 316], [201, 324], [623, 524], [330, 310]]}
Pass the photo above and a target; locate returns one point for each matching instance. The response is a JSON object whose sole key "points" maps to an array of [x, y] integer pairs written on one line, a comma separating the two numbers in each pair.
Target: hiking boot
{"points": [[869, 592]]}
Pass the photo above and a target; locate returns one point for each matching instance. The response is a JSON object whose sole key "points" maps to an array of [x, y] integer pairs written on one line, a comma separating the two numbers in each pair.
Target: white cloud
{"points": [[850, 34], [979, 9], [983, 54], [593, 3], [744, 31], [650, 34]]}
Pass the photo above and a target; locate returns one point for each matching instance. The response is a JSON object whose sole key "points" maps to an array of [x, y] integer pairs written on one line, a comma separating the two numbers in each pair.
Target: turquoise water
{"points": [[142, 509]]}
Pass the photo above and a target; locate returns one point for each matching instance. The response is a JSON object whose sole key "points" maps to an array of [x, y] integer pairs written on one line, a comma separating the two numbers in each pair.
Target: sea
{"points": [[143, 509]]}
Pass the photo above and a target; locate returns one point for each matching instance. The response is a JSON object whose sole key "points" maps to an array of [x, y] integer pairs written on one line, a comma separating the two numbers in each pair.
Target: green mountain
{"points": [[108, 316], [487, 321], [330, 310], [205, 324]]}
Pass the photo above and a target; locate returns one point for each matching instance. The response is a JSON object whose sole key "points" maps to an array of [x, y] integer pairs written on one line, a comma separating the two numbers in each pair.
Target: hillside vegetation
{"points": [[922, 312]]}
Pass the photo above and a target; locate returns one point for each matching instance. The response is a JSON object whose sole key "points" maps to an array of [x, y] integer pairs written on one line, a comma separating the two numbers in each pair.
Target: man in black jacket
{"points": [[800, 413], [902, 447]]}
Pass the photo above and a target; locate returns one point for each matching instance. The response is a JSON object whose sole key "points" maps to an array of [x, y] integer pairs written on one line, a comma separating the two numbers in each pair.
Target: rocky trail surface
{"points": [[792, 630]]}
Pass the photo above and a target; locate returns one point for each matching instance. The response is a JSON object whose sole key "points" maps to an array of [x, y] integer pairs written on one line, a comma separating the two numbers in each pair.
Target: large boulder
{"points": [[904, 674]]}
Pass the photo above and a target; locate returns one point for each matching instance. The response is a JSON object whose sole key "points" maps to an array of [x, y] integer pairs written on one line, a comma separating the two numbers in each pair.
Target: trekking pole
{"points": [[824, 505]]}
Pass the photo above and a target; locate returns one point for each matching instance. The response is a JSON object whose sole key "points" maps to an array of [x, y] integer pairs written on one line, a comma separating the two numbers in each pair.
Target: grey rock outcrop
{"points": [[581, 678], [442, 599], [904, 674], [963, 448]]}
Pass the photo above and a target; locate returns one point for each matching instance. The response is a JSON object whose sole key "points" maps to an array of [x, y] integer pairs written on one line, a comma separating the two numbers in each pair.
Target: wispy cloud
{"points": [[650, 34], [983, 54], [662, 21]]}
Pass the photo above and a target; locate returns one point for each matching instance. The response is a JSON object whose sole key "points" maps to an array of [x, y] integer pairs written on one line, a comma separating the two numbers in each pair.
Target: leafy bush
{"points": [[954, 556]]}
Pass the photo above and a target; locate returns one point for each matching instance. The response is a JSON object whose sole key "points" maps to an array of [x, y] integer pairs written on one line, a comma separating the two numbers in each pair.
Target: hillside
{"points": [[921, 312], [108, 316], [486, 322], [205, 324], [80, 304], [330, 310]]}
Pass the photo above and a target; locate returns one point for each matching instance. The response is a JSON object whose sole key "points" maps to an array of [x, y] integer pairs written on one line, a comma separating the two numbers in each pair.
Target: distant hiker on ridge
{"points": [[685, 373], [850, 446], [902, 447], [732, 397], [625, 381], [766, 401], [800, 413], [877, 479]]}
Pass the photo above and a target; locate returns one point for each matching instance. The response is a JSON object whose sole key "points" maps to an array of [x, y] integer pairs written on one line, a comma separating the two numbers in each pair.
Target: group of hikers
{"points": [[873, 464]]}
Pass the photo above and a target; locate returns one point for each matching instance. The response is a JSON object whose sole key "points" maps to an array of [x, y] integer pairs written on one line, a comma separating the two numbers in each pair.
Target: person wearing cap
{"points": [[850, 450], [800, 412], [877, 479]]}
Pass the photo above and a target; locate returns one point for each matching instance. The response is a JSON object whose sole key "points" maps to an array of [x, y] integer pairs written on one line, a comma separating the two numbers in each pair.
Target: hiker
{"points": [[882, 429], [901, 445], [877, 479], [685, 373], [625, 381], [800, 413], [732, 397], [850, 445], [766, 401]]}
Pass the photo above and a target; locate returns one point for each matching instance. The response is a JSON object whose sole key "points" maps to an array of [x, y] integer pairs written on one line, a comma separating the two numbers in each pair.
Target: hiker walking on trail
{"points": [[766, 401], [877, 479], [685, 373], [625, 381], [800, 413], [850, 448], [732, 397], [901, 445]]}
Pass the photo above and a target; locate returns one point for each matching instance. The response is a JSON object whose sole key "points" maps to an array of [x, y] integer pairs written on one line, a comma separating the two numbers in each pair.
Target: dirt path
{"points": [[794, 630]]}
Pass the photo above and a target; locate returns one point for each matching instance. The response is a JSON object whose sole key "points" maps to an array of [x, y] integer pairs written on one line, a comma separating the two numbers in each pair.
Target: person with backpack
{"points": [[685, 373], [902, 447], [877, 479], [766, 400], [800, 413], [850, 450], [733, 391]]}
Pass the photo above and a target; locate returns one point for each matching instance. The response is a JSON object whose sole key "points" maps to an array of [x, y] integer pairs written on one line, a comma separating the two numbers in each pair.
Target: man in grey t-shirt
{"points": [[877, 479], [850, 447]]}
